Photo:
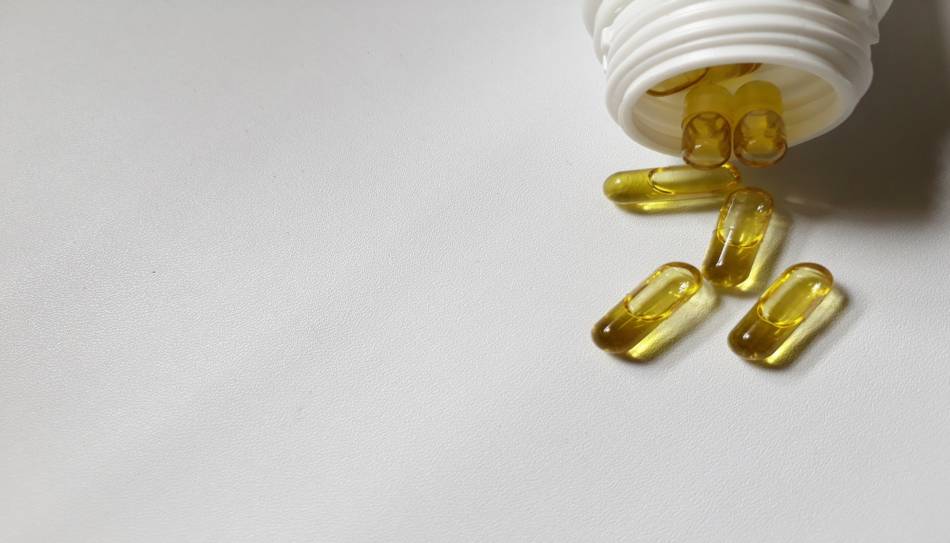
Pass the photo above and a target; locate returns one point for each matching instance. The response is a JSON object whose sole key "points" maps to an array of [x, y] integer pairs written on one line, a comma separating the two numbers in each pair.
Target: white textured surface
{"points": [[324, 270]]}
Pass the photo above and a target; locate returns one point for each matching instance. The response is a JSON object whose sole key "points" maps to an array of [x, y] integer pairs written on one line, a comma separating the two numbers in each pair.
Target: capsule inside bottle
{"points": [[707, 129], [713, 74], [725, 72], [672, 187], [759, 137], [678, 83], [743, 220], [630, 323], [782, 309]]}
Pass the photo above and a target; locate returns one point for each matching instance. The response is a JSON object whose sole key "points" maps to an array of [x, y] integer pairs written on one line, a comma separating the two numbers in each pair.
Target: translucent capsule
{"points": [[725, 72], [759, 137], [629, 324], [780, 312], [743, 221], [707, 132], [671, 188], [714, 74], [678, 83]]}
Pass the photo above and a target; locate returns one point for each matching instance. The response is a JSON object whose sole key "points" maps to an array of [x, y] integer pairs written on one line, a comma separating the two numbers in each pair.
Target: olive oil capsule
{"points": [[759, 137], [725, 72], [715, 74], [630, 322], [678, 83], [780, 311], [707, 129], [743, 221], [671, 187]]}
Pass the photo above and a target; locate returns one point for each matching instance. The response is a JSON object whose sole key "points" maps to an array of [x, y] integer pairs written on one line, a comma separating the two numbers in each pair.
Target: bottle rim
{"points": [[816, 51]]}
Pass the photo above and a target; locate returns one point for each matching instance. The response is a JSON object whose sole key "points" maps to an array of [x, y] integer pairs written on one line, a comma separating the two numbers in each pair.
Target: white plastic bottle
{"points": [[817, 51]]}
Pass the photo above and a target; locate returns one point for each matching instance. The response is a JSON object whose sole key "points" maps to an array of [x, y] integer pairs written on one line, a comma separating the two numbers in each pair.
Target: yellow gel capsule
{"points": [[780, 311], [725, 72], [743, 221], [714, 74], [760, 129], [629, 323], [672, 187], [678, 83], [707, 132]]}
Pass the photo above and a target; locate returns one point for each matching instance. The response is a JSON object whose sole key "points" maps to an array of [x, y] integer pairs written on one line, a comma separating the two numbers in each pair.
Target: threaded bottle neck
{"points": [[818, 52]]}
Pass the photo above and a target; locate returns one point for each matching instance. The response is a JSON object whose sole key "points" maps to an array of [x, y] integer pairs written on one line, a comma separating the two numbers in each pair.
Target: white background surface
{"points": [[325, 270]]}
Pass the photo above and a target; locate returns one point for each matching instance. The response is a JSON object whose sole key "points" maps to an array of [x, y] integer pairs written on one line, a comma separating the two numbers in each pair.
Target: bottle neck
{"points": [[816, 51]]}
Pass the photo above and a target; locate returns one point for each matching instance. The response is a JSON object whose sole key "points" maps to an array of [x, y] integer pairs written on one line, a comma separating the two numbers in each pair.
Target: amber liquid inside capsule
{"points": [[671, 188], [714, 74], [707, 140], [725, 72], [630, 322], [707, 132], [759, 138], [678, 83], [780, 311], [743, 221]]}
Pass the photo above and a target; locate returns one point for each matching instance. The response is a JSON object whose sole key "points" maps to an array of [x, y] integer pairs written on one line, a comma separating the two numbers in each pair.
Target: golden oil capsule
{"points": [[678, 83], [759, 137], [780, 311], [654, 301], [725, 72], [714, 74], [743, 221], [671, 187], [707, 130]]}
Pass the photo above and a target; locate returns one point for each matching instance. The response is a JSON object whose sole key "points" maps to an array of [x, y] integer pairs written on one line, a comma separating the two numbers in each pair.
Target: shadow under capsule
{"points": [[816, 324], [679, 324]]}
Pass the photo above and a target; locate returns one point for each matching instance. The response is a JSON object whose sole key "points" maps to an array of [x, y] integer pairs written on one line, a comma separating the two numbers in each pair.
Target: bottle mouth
{"points": [[814, 104], [816, 51]]}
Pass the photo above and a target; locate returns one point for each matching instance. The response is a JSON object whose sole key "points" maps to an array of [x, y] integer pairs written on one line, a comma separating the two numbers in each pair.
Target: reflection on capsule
{"points": [[743, 221], [630, 322], [678, 83], [760, 129], [674, 187], [780, 311], [707, 131]]}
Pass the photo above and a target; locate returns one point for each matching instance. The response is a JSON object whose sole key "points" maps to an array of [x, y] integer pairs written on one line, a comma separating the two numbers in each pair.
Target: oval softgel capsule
{"points": [[743, 221], [713, 74], [759, 137], [678, 83], [630, 322], [707, 126], [780, 311], [670, 187], [726, 72]]}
